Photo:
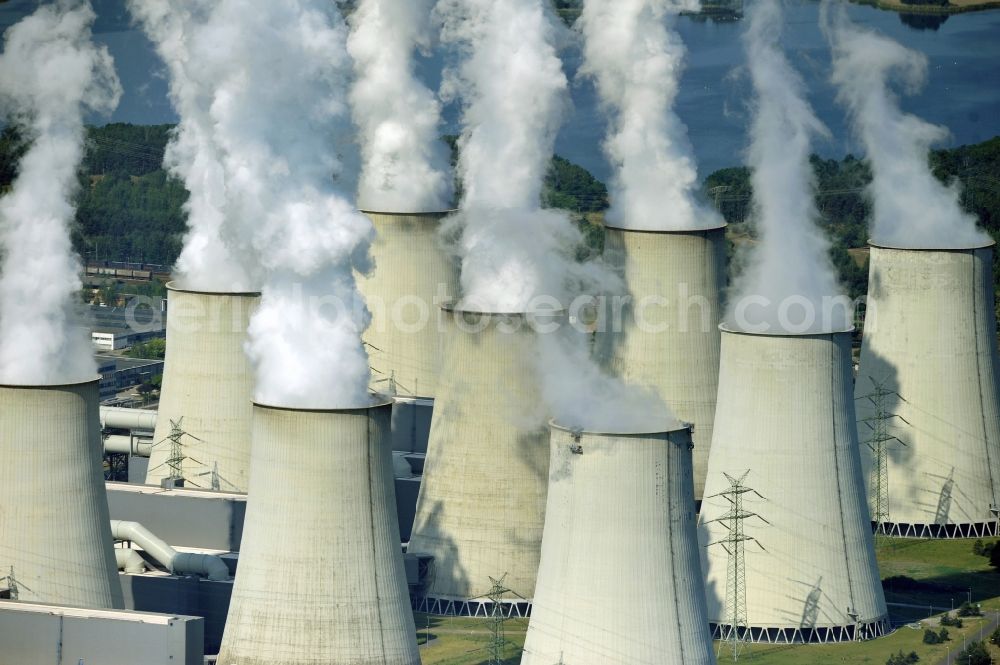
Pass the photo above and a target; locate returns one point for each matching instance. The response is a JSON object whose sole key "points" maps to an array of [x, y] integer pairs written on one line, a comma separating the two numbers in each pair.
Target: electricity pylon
{"points": [[878, 442], [737, 632]]}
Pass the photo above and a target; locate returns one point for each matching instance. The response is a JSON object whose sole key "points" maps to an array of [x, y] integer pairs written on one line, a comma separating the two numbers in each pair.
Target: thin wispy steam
{"points": [[636, 59], [788, 279], [51, 74], [404, 163], [278, 75], [515, 95], [912, 208], [188, 37]]}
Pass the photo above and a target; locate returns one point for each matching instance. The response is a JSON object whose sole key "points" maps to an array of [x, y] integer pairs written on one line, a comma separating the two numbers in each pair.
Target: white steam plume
{"points": [[636, 59], [404, 162], [789, 282], [277, 75], [51, 73], [514, 93], [912, 208]]}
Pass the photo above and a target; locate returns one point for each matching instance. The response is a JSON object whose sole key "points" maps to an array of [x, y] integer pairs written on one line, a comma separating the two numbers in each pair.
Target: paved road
{"points": [[993, 619]]}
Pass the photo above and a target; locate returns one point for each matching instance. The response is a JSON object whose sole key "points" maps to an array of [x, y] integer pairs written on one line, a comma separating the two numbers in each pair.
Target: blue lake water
{"points": [[962, 93]]}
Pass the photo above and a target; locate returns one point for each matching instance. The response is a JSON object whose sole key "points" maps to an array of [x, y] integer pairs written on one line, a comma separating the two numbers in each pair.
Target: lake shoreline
{"points": [[934, 10]]}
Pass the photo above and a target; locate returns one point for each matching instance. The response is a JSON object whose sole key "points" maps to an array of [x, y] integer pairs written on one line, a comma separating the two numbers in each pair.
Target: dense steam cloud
{"points": [[514, 94], [636, 59], [194, 45], [51, 73], [279, 75], [911, 207], [788, 283], [404, 163]]}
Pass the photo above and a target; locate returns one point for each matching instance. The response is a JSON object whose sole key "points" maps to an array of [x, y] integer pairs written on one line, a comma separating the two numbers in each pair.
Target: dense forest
{"points": [[130, 209]]}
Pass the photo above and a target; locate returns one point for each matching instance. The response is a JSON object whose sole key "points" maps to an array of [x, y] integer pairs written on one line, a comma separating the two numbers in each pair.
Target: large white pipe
{"points": [[53, 508], [620, 579], [130, 561], [176, 562], [131, 445], [930, 343], [413, 274], [134, 420]]}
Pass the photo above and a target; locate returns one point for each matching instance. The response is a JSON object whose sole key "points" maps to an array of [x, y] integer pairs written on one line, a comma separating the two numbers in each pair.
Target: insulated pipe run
{"points": [[132, 445], [135, 420], [130, 561], [176, 562]]}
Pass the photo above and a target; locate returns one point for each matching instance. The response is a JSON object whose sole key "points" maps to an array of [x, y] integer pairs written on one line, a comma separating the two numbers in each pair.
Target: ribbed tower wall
{"points": [[620, 578], [481, 506], [413, 276], [54, 526], [320, 576], [207, 387], [668, 337], [930, 341], [786, 415]]}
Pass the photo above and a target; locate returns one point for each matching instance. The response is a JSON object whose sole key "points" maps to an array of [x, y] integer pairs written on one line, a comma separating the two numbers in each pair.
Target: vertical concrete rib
{"points": [[208, 387], [320, 577], [413, 275], [54, 527], [482, 500], [930, 337], [619, 579], [667, 337], [786, 414]]}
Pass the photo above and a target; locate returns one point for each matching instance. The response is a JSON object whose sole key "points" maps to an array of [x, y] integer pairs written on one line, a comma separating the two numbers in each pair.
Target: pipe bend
{"points": [[176, 562]]}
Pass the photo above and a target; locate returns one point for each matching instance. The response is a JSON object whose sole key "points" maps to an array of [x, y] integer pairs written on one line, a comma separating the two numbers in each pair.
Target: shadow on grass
{"points": [[943, 590]]}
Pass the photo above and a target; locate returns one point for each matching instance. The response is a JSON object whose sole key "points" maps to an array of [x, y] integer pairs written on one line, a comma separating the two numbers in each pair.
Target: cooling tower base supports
{"points": [[903, 530], [475, 607], [817, 635]]}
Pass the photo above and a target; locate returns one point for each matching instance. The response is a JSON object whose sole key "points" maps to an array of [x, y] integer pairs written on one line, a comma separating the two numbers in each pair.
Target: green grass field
{"points": [[944, 569]]}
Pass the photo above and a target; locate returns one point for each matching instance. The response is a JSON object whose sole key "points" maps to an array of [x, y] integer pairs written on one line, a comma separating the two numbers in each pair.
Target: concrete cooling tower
{"points": [[619, 579], [784, 523], [206, 392], [55, 534], [667, 336], [412, 277], [929, 365], [482, 501], [320, 575]]}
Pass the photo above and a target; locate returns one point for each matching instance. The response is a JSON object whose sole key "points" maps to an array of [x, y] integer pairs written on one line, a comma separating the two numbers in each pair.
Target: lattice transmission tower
{"points": [[879, 441], [497, 646], [736, 633]]}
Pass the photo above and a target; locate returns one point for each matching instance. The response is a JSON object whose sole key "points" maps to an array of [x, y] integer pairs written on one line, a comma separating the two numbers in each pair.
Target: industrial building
{"points": [[620, 578], [927, 393], [202, 434], [481, 506], [667, 337], [116, 328], [321, 528], [787, 544], [55, 537], [119, 373]]}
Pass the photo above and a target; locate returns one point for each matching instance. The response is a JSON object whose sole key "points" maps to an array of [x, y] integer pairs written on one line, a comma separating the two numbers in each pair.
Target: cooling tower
{"points": [[667, 335], [930, 343], [619, 579], [412, 277], [482, 500], [206, 391], [785, 426], [55, 534], [320, 576]]}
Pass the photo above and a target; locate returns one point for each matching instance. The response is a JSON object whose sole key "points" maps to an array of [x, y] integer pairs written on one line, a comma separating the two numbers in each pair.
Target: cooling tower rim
{"points": [[959, 248], [632, 229], [377, 401], [49, 386], [172, 286], [425, 213], [454, 307], [822, 333], [669, 427]]}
